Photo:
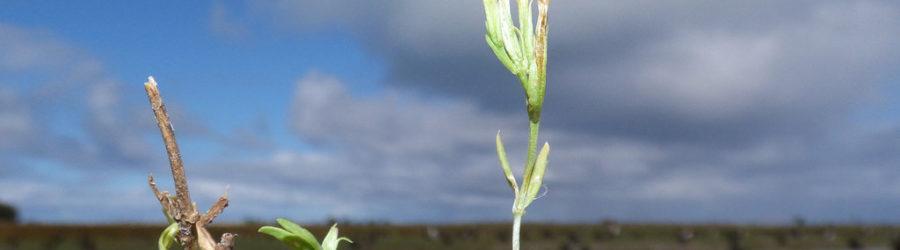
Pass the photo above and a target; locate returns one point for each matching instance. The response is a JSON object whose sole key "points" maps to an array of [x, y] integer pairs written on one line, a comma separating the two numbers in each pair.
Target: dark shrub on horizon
{"points": [[7, 213]]}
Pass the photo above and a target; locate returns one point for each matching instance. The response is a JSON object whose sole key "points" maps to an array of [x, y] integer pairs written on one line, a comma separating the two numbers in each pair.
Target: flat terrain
{"points": [[483, 236]]}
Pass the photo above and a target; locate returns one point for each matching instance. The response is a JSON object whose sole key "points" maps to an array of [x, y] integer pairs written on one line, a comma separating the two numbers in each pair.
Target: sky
{"points": [[657, 111]]}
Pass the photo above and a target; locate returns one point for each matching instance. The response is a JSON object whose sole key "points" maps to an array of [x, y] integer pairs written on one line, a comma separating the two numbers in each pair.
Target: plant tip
{"points": [[150, 81]]}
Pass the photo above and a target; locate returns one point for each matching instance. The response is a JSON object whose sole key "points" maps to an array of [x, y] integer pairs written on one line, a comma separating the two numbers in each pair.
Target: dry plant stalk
{"points": [[192, 233]]}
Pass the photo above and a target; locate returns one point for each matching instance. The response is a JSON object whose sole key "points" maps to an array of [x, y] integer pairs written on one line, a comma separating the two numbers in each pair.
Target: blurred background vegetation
{"points": [[606, 235], [7, 213]]}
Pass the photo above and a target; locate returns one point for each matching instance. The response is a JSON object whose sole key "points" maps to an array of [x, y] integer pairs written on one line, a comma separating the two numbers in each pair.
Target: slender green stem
{"points": [[532, 148], [517, 223], [532, 140], [519, 206]]}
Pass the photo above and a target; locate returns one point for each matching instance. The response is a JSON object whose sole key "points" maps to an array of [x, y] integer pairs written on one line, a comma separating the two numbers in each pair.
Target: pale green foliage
{"points": [[168, 236], [532, 180], [301, 239], [520, 49], [501, 153], [331, 240]]}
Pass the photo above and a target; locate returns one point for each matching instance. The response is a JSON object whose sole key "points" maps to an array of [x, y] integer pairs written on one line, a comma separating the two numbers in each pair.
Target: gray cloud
{"points": [[690, 110], [402, 157], [626, 67], [687, 110], [400, 151]]}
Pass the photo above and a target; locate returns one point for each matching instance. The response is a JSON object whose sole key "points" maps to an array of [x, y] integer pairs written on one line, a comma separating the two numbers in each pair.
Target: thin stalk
{"points": [[532, 148], [168, 135], [519, 207], [517, 223], [532, 140], [187, 235]]}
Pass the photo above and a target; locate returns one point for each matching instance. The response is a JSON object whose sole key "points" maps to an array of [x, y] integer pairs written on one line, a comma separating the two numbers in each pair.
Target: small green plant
{"points": [[301, 239], [523, 50], [167, 238]]}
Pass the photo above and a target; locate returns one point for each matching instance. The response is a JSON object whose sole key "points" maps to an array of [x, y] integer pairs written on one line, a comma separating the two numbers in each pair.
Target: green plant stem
{"points": [[532, 147], [519, 207], [517, 223]]}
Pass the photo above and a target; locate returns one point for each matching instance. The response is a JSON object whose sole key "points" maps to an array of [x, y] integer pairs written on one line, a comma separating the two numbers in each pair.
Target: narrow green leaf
{"points": [[512, 45], [304, 234], [501, 54], [278, 233], [168, 236], [491, 18], [537, 177], [288, 238], [501, 153], [331, 240], [527, 32]]}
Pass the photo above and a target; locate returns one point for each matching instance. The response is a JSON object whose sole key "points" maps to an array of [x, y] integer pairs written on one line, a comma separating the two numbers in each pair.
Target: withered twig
{"points": [[206, 240], [215, 210], [192, 231], [165, 199], [227, 242], [168, 134]]}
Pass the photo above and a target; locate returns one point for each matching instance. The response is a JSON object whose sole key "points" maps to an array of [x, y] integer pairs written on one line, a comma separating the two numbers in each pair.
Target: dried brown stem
{"points": [[192, 231], [215, 210], [168, 134], [165, 199], [227, 242]]}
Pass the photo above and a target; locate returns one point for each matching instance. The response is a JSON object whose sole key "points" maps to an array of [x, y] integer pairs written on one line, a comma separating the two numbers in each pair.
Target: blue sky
{"points": [[184, 46], [688, 111]]}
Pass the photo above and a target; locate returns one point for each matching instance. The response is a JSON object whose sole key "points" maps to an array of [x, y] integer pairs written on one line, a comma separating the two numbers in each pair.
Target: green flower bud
{"points": [[522, 50]]}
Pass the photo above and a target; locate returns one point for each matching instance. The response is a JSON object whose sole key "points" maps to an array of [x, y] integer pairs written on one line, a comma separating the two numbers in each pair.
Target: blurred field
{"points": [[483, 236]]}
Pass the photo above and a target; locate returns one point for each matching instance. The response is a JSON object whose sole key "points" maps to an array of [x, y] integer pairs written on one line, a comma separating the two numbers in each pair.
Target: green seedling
{"points": [[299, 238], [167, 238], [523, 50]]}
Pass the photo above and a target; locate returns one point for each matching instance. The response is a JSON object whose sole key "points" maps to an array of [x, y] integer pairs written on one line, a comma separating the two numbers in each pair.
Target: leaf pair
{"points": [[532, 179], [301, 239]]}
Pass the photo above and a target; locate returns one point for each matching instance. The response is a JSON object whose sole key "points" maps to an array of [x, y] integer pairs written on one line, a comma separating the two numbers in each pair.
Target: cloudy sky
{"points": [[664, 111]]}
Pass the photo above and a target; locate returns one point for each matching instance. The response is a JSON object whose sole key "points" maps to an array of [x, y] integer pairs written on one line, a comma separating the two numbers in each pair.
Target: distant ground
{"points": [[483, 236]]}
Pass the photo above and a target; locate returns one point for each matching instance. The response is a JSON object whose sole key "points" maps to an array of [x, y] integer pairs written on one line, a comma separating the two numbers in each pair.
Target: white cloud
{"points": [[395, 145], [693, 186], [26, 49], [65, 128], [396, 124], [708, 76], [16, 122]]}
